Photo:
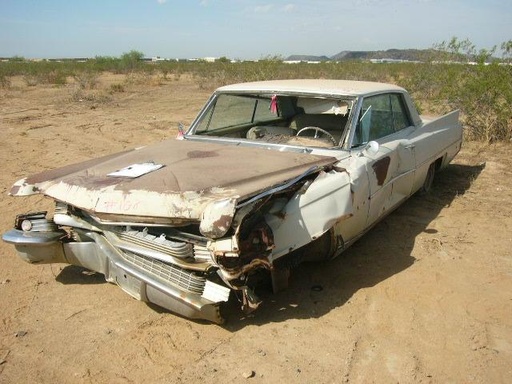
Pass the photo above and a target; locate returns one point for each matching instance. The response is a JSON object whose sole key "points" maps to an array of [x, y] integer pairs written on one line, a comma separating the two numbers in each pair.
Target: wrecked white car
{"points": [[268, 175]]}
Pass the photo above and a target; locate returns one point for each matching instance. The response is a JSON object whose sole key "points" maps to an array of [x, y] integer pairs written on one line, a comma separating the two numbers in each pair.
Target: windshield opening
{"points": [[274, 118]]}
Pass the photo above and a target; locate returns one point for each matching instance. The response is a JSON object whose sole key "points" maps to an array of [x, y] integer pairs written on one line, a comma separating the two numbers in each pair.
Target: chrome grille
{"points": [[202, 254], [189, 281], [160, 243]]}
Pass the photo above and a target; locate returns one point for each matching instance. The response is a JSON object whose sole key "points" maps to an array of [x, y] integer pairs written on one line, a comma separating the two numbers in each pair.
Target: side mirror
{"points": [[372, 147]]}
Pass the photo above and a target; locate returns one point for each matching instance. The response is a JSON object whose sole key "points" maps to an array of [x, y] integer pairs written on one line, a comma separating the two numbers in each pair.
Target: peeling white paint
{"points": [[109, 200], [217, 217]]}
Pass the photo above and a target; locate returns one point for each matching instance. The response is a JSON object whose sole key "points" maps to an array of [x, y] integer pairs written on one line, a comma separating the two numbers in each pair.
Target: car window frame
{"points": [[363, 113]]}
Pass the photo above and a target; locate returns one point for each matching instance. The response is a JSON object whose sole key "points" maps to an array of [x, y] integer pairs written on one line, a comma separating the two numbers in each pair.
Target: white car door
{"points": [[383, 129]]}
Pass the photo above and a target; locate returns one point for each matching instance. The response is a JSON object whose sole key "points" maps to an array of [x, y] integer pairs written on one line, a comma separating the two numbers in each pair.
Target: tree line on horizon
{"points": [[455, 50]]}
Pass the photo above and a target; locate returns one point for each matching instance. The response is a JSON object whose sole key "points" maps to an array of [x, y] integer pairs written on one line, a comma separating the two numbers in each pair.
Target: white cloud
{"points": [[289, 7], [263, 8], [161, 1]]}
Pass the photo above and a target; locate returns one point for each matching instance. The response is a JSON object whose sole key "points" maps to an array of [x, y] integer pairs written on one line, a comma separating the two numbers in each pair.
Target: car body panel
{"points": [[187, 182], [269, 174]]}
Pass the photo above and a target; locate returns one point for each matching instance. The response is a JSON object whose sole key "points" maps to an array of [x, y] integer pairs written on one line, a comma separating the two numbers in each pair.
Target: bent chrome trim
{"points": [[16, 236], [197, 306]]}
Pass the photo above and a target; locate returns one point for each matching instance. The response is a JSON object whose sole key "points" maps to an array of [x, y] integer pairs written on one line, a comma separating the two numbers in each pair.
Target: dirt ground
{"points": [[425, 297]]}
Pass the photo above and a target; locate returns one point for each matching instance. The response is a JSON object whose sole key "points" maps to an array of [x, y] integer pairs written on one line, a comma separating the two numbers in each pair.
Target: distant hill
{"points": [[393, 54], [307, 58]]}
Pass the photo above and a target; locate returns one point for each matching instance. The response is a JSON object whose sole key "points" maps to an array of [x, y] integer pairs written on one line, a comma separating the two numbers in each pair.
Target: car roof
{"points": [[314, 86]]}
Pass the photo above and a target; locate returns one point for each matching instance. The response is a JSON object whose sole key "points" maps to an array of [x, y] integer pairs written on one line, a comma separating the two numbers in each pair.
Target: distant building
{"points": [[385, 60], [302, 61]]}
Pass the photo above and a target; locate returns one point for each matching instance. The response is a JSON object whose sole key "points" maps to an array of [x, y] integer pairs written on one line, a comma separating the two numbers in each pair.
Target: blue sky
{"points": [[243, 29]]}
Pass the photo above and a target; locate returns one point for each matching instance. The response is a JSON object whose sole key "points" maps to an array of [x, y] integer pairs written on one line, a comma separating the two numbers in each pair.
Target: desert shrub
{"points": [[484, 94], [78, 94], [31, 80], [131, 61], [86, 79], [41, 72], [55, 77], [116, 88], [5, 82], [51, 77], [472, 81], [103, 64], [137, 78]]}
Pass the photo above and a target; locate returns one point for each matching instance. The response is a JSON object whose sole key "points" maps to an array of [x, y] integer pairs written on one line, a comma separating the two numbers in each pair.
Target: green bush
{"points": [[131, 61], [473, 81]]}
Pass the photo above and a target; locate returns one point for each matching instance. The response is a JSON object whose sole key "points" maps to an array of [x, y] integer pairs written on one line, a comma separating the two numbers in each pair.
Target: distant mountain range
{"points": [[392, 54]]}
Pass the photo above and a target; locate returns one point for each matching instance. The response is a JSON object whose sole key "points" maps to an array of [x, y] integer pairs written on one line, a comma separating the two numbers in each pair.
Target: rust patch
{"points": [[14, 190], [380, 167], [258, 242], [220, 226], [201, 154], [223, 222]]}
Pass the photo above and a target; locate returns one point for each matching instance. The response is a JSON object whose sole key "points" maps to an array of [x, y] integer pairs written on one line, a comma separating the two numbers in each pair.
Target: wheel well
{"points": [[439, 162]]}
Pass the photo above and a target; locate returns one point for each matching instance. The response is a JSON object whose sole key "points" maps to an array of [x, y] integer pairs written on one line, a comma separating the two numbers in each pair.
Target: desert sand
{"points": [[424, 297]]}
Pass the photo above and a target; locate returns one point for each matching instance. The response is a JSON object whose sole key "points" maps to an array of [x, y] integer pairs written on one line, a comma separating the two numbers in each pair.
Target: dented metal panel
{"points": [[311, 212], [186, 184]]}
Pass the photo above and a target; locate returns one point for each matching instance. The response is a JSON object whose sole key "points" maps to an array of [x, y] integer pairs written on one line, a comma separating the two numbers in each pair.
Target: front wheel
{"points": [[429, 179]]}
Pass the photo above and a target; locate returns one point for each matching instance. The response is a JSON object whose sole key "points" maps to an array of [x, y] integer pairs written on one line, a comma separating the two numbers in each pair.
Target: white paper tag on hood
{"points": [[136, 170]]}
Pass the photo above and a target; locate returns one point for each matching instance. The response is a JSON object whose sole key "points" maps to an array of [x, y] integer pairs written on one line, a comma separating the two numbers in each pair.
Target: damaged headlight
{"points": [[217, 218]]}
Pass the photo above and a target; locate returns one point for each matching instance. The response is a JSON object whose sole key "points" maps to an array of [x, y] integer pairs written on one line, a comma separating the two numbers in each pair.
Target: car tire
{"points": [[429, 179]]}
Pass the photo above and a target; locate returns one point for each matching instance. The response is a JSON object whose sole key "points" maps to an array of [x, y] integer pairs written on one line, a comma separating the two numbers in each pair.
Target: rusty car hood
{"points": [[192, 175]]}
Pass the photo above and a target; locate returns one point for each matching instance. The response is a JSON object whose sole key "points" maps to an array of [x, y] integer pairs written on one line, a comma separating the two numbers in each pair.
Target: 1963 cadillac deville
{"points": [[268, 175]]}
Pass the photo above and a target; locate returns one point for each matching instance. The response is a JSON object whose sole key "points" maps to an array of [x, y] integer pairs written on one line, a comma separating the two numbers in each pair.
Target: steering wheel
{"points": [[317, 131]]}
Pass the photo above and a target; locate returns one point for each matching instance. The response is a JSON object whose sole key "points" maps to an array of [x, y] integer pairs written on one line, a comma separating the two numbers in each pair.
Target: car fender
{"points": [[311, 211]]}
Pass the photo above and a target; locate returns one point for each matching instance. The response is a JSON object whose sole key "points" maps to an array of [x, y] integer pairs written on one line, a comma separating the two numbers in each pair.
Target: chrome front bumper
{"points": [[37, 247], [143, 283]]}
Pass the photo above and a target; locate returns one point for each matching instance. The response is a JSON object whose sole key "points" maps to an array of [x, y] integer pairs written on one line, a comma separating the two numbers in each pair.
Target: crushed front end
{"points": [[169, 228], [175, 267]]}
